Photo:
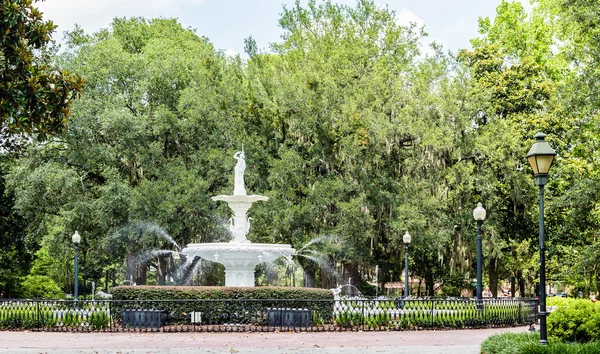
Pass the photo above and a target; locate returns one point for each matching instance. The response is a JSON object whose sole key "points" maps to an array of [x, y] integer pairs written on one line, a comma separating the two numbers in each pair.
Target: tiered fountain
{"points": [[239, 256]]}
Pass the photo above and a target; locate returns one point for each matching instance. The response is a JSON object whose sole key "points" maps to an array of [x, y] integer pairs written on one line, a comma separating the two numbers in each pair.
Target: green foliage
{"points": [[508, 343], [40, 287], [233, 303], [35, 95], [49, 315], [419, 314], [15, 246], [207, 292], [17, 317], [99, 320], [528, 343], [563, 301], [577, 321]]}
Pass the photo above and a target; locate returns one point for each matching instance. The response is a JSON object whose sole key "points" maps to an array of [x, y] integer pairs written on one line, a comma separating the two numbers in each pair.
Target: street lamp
{"points": [[406, 238], [76, 240], [479, 216], [540, 156]]}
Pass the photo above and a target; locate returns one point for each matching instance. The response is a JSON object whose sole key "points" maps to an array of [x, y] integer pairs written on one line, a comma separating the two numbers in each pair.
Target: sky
{"points": [[227, 23]]}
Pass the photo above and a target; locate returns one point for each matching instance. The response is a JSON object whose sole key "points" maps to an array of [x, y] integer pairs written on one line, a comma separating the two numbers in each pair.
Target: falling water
{"points": [[196, 266], [185, 272], [144, 256], [313, 241], [351, 287], [146, 228], [153, 228]]}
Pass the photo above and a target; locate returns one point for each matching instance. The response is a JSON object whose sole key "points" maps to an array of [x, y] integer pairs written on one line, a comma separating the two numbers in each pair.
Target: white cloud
{"points": [[93, 15], [405, 17], [231, 53], [459, 27]]}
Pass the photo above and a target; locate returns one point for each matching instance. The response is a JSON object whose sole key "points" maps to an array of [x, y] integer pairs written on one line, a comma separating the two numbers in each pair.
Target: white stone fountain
{"points": [[239, 256]]}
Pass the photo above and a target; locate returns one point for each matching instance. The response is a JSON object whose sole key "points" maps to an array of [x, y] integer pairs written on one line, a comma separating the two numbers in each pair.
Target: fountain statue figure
{"points": [[238, 185], [239, 256]]}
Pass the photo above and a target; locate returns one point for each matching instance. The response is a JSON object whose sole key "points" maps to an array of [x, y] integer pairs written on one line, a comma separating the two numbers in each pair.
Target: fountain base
{"points": [[239, 259]]}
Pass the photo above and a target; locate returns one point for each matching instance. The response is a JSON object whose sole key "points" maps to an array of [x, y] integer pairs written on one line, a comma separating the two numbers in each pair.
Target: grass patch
{"points": [[527, 343]]}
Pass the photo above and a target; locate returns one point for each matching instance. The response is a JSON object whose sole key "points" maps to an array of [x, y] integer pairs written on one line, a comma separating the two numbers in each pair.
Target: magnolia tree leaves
{"points": [[35, 94]]}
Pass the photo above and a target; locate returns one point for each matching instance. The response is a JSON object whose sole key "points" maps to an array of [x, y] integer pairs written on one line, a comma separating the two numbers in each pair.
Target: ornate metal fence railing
{"points": [[264, 315]]}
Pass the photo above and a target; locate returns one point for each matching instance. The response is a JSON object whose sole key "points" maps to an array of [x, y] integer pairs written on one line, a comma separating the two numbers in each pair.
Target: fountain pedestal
{"points": [[239, 256]]}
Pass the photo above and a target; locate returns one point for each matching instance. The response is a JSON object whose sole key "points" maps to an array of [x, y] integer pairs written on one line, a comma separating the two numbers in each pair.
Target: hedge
{"points": [[218, 293], [223, 304]]}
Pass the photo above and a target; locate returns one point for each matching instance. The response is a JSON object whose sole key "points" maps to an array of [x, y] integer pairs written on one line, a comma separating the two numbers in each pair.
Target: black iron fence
{"points": [[264, 315]]}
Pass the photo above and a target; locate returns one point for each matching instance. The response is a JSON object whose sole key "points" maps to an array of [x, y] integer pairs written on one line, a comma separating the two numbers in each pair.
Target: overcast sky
{"points": [[227, 22]]}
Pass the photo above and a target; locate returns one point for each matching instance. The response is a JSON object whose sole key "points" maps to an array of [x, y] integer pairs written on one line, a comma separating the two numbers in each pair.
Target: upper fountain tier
{"points": [[239, 202]]}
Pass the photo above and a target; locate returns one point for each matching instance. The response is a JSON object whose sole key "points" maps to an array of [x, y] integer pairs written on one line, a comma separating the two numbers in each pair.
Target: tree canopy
{"points": [[353, 133]]}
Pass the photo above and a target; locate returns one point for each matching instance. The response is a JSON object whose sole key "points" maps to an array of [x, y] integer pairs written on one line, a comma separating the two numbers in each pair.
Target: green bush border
{"points": [[231, 304], [218, 293]]}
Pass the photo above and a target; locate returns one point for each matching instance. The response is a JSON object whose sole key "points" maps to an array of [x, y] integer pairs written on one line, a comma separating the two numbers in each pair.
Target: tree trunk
{"points": [[429, 284], [161, 270], [130, 274], [493, 273], [513, 286], [521, 281], [141, 274], [383, 277]]}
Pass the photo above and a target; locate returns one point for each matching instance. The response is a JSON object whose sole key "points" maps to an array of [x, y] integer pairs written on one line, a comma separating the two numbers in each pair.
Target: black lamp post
{"points": [[406, 238], [540, 156], [76, 240], [479, 216]]}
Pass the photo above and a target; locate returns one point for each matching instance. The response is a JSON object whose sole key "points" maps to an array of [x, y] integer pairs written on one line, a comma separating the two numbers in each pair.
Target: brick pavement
{"points": [[451, 342]]}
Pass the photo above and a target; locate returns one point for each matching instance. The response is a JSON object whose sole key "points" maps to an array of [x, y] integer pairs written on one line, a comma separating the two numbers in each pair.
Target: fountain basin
{"points": [[240, 198], [239, 259]]}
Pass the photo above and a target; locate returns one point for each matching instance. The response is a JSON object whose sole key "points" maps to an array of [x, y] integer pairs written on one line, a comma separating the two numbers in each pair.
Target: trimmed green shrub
{"points": [[218, 293], [235, 304], [579, 321]]}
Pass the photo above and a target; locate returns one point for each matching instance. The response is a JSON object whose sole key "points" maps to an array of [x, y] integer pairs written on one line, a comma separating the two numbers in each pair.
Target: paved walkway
{"points": [[451, 342]]}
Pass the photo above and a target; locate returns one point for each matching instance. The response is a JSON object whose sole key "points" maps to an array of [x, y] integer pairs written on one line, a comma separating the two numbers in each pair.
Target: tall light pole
{"points": [[479, 216], [540, 156], [406, 238], [76, 240]]}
